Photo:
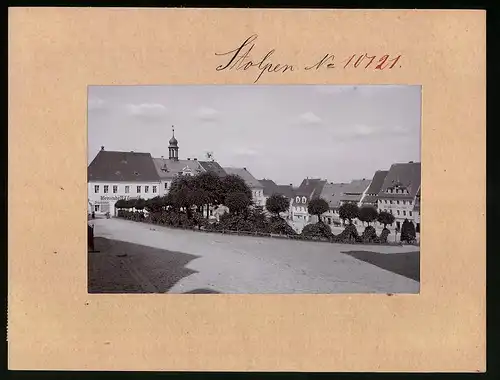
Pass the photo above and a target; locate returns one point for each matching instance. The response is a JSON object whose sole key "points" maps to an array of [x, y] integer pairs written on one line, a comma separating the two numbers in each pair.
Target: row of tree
{"points": [[350, 211]]}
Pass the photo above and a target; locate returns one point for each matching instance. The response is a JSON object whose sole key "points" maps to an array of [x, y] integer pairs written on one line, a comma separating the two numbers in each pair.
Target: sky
{"points": [[282, 132]]}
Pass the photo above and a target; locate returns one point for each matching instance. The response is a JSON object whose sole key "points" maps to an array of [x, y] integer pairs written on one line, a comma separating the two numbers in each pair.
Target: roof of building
{"points": [[270, 187], [214, 167], [404, 175], [332, 193], [286, 190], [249, 179], [122, 166], [377, 182], [167, 168], [354, 190], [311, 187]]}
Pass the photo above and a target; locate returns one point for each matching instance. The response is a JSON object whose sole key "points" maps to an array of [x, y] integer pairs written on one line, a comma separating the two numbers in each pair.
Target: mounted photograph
{"points": [[254, 189]]}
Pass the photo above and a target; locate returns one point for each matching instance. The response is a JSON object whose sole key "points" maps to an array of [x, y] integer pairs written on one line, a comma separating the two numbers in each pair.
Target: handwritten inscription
{"points": [[240, 59]]}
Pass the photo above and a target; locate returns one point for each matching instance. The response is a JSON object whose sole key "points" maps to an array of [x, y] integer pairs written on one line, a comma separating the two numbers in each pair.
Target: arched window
{"points": [[297, 199], [304, 200]]}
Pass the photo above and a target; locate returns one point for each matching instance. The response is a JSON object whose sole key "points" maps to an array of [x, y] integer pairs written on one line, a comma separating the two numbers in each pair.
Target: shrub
{"points": [[408, 233], [383, 235], [319, 230], [349, 235], [369, 235], [280, 226]]}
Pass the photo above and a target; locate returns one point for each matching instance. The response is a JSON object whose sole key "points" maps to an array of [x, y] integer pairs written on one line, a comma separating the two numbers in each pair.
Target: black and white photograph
{"points": [[254, 189]]}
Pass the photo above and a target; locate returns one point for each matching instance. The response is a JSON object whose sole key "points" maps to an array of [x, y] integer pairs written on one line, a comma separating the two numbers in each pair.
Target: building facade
{"points": [[116, 175], [399, 191]]}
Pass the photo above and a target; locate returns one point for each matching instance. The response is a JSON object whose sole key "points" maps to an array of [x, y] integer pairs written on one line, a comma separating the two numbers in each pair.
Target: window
{"points": [[154, 189], [404, 213], [166, 185], [304, 200], [96, 208], [96, 188], [146, 189], [297, 199], [127, 189], [410, 202], [138, 189], [106, 188], [398, 212], [115, 189], [411, 214], [391, 202], [397, 202], [390, 211]]}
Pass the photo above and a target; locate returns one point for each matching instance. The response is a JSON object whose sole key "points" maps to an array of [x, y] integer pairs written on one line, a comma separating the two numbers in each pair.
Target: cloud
{"points": [[96, 104], [147, 110], [207, 113], [310, 118]]}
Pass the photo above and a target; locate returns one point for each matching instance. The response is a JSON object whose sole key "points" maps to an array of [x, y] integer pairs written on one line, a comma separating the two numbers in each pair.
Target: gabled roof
{"points": [[249, 179], [354, 190], [377, 182], [168, 169], [110, 166], [286, 190], [311, 187], [214, 167], [405, 175], [332, 192], [270, 187]]}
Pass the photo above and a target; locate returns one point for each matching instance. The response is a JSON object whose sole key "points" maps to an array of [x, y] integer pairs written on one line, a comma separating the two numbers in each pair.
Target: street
{"points": [[142, 258]]}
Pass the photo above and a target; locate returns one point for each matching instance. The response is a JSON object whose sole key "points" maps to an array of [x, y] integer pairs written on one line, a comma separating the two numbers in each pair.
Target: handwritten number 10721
{"points": [[366, 61]]}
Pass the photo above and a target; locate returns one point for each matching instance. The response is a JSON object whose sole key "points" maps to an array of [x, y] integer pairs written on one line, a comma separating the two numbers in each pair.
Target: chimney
{"points": [[195, 159], [188, 159], [244, 168], [102, 147], [411, 162]]}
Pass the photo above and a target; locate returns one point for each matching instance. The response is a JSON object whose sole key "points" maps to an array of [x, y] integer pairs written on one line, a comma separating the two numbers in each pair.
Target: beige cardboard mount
{"points": [[55, 53]]}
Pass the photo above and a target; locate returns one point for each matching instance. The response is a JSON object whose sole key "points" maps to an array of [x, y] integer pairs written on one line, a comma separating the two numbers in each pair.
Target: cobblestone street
{"points": [[142, 258]]}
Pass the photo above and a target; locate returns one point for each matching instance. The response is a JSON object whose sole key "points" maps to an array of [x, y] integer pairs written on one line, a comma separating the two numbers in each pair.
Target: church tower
{"points": [[173, 149]]}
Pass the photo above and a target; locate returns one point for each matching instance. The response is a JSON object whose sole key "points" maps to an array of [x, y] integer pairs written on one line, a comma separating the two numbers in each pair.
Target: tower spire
{"points": [[173, 149]]}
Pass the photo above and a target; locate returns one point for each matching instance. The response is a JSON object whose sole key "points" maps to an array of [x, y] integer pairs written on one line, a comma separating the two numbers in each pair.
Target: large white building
{"points": [[120, 175], [114, 175], [399, 191]]}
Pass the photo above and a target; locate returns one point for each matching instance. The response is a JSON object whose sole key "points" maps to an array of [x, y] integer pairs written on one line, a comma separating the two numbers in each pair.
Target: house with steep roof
{"points": [[399, 191], [255, 186], [308, 189], [370, 197], [114, 175]]}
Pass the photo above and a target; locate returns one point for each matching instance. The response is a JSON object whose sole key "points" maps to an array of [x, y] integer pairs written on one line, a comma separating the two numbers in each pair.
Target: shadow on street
{"points": [[122, 267], [406, 264]]}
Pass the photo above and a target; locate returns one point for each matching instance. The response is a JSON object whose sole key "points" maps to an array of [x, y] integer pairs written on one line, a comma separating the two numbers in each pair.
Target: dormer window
{"points": [[297, 199], [304, 199]]}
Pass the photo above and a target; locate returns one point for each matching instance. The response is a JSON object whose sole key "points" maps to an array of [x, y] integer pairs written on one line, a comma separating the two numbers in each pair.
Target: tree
{"points": [[385, 218], [258, 219], [140, 204], [348, 211], [318, 206], [211, 184], [120, 203], [180, 194], [368, 214], [233, 183], [277, 204], [407, 231], [237, 202]]}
